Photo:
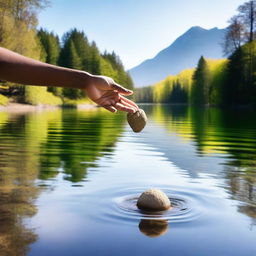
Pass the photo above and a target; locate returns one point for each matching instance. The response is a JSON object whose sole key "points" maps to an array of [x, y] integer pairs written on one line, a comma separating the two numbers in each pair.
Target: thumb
{"points": [[121, 89]]}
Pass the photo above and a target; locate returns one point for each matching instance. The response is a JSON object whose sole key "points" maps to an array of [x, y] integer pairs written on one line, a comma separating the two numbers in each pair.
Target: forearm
{"points": [[19, 69]]}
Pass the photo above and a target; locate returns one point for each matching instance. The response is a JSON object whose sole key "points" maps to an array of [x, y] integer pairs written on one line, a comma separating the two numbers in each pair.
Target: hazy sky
{"points": [[135, 29]]}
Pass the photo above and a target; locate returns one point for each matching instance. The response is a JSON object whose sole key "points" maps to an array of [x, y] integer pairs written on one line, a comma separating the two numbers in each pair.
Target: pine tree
{"points": [[70, 59], [123, 77], [95, 59], [82, 47], [51, 46], [201, 84], [241, 84], [178, 94]]}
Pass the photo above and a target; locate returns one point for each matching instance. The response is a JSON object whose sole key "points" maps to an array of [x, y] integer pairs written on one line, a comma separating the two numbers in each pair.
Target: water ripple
{"points": [[119, 205]]}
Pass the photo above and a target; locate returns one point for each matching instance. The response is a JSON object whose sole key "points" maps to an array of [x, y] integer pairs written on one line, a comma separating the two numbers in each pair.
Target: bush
{"points": [[36, 95], [3, 100], [74, 103]]}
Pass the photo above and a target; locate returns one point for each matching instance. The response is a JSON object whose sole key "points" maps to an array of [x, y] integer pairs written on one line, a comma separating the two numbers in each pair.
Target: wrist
{"points": [[86, 79]]}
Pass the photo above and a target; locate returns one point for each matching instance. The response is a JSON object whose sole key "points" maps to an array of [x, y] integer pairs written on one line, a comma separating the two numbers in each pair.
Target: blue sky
{"points": [[135, 29]]}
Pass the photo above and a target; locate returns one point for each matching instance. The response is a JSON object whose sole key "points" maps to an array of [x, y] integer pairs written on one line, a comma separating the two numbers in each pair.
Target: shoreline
{"points": [[26, 108]]}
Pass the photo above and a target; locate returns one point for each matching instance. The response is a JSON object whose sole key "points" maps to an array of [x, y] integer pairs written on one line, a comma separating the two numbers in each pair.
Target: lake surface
{"points": [[69, 180]]}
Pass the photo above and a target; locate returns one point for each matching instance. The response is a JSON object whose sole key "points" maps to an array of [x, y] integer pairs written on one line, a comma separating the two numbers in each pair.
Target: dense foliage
{"points": [[77, 52], [242, 28], [225, 82], [18, 33], [201, 86], [174, 89], [240, 88], [18, 20], [212, 82]]}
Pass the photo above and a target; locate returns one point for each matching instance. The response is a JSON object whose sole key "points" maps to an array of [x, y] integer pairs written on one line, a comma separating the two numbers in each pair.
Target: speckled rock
{"points": [[153, 200], [137, 120]]}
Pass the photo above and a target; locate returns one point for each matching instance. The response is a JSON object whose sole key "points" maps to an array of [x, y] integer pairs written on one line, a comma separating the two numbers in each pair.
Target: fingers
{"points": [[113, 101], [110, 98], [121, 89], [110, 108], [125, 108], [107, 102], [129, 102], [128, 105], [122, 106]]}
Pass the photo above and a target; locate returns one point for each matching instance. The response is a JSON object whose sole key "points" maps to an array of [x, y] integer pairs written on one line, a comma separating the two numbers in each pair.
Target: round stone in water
{"points": [[153, 200]]}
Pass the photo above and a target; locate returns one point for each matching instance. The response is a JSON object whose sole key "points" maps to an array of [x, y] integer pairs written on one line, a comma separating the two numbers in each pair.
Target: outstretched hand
{"points": [[107, 93]]}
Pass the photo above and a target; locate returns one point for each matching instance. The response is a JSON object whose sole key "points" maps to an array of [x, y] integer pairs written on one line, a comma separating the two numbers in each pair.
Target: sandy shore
{"points": [[25, 108]]}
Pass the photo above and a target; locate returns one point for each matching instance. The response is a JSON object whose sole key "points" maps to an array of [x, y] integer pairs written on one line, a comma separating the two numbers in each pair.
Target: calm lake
{"points": [[69, 180]]}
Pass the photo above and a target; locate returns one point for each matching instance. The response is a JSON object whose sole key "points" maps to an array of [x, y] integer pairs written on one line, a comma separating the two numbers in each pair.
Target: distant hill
{"points": [[183, 53]]}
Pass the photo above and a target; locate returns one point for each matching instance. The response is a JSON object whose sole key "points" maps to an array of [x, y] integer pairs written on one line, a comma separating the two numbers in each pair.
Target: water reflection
{"points": [[77, 141], [40, 145], [153, 227], [19, 169], [59, 149], [229, 135]]}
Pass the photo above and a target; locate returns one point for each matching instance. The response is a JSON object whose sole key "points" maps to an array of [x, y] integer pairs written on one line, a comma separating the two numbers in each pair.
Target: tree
{"points": [[168, 84], [241, 84], [51, 46], [79, 53], [178, 94], [242, 27], [95, 59], [247, 16], [69, 58], [144, 94], [233, 36], [18, 20], [201, 84], [122, 77], [82, 47]]}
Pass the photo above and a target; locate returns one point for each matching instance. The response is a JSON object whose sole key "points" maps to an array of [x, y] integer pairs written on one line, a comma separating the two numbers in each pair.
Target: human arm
{"points": [[102, 90]]}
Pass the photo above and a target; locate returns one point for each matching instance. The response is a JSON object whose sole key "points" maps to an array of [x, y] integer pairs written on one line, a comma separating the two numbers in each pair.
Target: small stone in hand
{"points": [[137, 120], [153, 200]]}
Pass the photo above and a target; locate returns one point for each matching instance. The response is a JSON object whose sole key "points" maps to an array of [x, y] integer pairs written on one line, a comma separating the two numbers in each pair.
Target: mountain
{"points": [[183, 53]]}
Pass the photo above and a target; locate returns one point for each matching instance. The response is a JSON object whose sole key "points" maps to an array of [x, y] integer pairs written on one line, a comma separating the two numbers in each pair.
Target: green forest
{"points": [[19, 33], [226, 82]]}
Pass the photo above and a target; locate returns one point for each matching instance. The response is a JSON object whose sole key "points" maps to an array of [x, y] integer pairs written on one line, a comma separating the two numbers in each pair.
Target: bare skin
{"points": [[101, 89]]}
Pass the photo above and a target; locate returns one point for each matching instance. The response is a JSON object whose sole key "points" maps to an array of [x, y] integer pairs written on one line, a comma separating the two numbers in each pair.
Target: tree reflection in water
{"points": [[228, 134], [37, 145]]}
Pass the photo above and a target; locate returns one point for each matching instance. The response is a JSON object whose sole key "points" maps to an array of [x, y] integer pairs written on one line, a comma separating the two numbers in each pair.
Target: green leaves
{"points": [[51, 45], [18, 20], [241, 86], [78, 53]]}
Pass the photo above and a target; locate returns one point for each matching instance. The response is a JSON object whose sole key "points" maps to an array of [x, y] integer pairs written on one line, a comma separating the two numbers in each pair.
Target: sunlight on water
{"points": [[69, 181]]}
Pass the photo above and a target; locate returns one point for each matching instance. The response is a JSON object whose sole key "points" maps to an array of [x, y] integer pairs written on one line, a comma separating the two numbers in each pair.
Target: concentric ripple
{"points": [[121, 205], [128, 205]]}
